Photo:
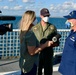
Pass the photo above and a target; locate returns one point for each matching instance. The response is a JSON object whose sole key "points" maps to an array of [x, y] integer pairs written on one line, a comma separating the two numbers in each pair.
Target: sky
{"points": [[57, 8]]}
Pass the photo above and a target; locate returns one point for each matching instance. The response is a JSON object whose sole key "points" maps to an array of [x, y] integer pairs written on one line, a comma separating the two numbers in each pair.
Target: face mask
{"points": [[35, 22], [45, 19], [68, 24]]}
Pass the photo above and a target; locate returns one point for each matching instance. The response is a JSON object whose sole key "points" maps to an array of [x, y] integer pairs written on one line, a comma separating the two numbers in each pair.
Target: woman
{"points": [[29, 46]]}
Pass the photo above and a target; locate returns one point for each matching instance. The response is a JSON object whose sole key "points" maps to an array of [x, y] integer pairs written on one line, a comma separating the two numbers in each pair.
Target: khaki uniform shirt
{"points": [[40, 33], [27, 61]]}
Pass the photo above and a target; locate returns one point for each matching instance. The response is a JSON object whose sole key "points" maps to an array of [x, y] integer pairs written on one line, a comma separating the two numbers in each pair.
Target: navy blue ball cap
{"points": [[72, 15], [45, 12]]}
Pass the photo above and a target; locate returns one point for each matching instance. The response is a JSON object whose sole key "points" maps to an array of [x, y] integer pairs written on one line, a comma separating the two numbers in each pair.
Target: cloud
{"points": [[5, 7], [25, 0], [64, 8], [74, 6], [29, 1], [55, 9], [11, 0], [18, 7]]}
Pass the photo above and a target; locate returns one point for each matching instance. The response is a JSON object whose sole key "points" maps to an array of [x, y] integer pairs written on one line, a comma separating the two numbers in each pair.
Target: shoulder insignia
{"points": [[72, 38], [35, 28], [51, 27]]}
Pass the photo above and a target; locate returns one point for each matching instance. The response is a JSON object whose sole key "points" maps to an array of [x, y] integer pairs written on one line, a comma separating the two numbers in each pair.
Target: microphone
{"points": [[7, 18], [56, 37], [53, 37]]}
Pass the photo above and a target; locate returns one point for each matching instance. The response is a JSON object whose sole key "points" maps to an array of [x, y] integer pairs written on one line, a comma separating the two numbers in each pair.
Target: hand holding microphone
{"points": [[56, 37]]}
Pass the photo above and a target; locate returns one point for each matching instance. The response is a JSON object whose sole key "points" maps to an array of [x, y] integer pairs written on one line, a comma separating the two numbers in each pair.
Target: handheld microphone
{"points": [[56, 37]]}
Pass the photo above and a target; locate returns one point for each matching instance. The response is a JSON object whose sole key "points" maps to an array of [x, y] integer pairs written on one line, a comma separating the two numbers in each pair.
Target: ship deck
{"points": [[11, 67]]}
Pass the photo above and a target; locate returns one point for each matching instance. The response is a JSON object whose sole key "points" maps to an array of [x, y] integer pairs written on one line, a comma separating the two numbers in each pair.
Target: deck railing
{"points": [[10, 43]]}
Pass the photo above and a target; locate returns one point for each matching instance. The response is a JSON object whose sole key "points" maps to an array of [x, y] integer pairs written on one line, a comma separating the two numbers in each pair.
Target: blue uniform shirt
{"points": [[68, 61]]}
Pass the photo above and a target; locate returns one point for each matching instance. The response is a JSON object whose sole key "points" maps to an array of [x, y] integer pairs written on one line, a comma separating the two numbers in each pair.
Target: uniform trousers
{"points": [[46, 61]]}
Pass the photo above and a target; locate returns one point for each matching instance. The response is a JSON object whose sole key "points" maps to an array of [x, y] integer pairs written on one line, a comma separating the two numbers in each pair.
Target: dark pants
{"points": [[45, 61], [32, 72]]}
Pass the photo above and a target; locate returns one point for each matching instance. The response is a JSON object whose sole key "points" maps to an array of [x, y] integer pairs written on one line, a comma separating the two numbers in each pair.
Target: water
{"points": [[57, 21], [10, 44]]}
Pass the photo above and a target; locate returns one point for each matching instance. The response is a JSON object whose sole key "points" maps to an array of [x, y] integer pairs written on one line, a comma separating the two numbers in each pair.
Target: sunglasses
{"points": [[46, 16]]}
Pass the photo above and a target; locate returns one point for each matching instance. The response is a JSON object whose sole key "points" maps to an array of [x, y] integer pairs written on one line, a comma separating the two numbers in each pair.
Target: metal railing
{"points": [[10, 43]]}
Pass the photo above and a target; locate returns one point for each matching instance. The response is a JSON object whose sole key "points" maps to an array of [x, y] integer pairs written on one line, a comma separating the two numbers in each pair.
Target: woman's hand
{"points": [[34, 50], [48, 43]]}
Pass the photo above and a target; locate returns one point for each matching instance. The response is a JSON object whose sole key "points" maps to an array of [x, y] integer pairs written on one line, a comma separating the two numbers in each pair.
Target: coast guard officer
{"points": [[42, 30], [68, 61]]}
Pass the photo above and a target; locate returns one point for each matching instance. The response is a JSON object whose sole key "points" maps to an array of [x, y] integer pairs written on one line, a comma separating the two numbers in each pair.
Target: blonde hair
{"points": [[26, 20]]}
